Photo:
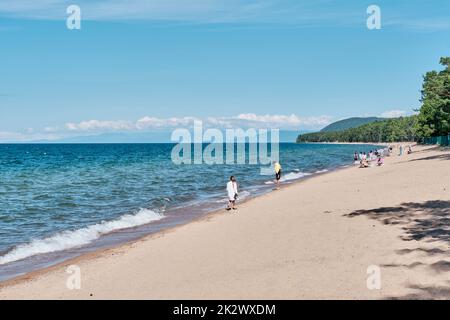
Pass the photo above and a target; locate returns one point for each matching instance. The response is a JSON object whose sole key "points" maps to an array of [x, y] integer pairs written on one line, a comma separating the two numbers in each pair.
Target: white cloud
{"points": [[98, 125], [243, 120], [176, 10], [203, 11], [92, 127], [11, 136], [51, 129], [157, 123], [28, 135], [286, 121], [300, 12], [394, 114]]}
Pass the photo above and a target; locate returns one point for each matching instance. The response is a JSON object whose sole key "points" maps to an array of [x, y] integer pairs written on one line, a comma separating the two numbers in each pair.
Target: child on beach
{"points": [[232, 191], [277, 168]]}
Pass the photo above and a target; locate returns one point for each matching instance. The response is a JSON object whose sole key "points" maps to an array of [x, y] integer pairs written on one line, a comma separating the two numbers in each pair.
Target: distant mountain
{"points": [[349, 123], [388, 130], [117, 137], [146, 137]]}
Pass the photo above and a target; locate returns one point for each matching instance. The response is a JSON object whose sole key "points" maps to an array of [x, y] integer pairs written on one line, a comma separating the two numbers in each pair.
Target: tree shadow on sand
{"points": [[428, 221], [425, 293], [445, 156]]}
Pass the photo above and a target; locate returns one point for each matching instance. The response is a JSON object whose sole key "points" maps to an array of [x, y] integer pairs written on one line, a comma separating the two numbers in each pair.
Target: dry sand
{"points": [[312, 240]]}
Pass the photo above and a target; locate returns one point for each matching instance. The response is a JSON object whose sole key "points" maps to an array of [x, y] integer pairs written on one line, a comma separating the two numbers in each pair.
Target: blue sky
{"points": [[155, 65]]}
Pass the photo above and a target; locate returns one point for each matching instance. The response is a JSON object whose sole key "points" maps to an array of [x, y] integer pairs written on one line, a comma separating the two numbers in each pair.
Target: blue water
{"points": [[57, 197]]}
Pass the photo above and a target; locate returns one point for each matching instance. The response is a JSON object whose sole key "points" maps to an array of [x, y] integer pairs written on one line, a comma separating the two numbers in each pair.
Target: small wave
{"points": [[71, 239], [294, 176], [322, 171], [244, 194], [290, 176]]}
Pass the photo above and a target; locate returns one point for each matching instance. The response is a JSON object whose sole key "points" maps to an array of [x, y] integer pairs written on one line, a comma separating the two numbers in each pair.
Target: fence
{"points": [[442, 141]]}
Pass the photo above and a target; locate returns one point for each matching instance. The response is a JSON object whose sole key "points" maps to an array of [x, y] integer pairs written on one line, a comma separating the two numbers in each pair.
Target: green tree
{"points": [[390, 130], [434, 116]]}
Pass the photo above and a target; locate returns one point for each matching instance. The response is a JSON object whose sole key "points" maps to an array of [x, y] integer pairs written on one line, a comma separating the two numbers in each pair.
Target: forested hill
{"points": [[349, 123], [389, 130], [433, 119]]}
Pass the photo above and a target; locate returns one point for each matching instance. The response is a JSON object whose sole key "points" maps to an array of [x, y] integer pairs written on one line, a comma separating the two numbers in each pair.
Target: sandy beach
{"points": [[315, 239]]}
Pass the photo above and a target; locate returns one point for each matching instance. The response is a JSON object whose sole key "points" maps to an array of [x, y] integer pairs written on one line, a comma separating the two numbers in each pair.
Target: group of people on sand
{"points": [[364, 159], [232, 187]]}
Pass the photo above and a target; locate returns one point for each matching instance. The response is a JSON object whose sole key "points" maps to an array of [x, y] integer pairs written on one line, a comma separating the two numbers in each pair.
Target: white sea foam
{"points": [[322, 171], [294, 176], [290, 176], [71, 239], [244, 194]]}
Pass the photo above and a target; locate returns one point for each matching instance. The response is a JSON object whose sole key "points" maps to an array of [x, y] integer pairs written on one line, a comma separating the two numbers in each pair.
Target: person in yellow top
{"points": [[277, 167]]}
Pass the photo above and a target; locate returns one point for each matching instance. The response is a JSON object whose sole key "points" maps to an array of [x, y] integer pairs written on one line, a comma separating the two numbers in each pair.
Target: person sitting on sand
{"points": [[409, 150], [365, 164], [232, 191], [277, 168], [380, 161]]}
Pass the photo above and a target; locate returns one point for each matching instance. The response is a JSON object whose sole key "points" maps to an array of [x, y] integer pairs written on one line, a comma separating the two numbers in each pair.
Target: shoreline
{"points": [[116, 238], [220, 219], [96, 253], [384, 144]]}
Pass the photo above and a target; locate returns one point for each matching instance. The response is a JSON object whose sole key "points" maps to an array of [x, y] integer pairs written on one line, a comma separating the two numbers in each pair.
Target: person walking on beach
{"points": [[277, 167], [355, 157], [232, 191]]}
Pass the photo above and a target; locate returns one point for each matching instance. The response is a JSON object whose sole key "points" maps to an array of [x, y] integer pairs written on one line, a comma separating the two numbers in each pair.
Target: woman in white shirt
{"points": [[232, 191]]}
